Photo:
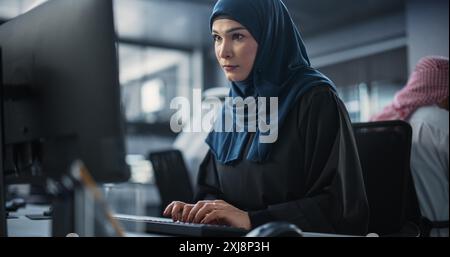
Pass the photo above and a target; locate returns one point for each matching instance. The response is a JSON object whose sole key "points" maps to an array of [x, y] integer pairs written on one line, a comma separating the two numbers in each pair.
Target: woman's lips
{"points": [[230, 68]]}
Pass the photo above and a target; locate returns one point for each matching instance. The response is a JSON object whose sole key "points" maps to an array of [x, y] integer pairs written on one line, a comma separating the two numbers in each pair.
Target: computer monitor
{"points": [[3, 231], [61, 92]]}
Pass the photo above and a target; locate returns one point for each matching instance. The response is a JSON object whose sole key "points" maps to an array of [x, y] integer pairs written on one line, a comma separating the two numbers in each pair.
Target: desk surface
{"points": [[22, 226], [25, 227]]}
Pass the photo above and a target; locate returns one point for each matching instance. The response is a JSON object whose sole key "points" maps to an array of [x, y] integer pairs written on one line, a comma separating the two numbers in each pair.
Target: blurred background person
{"points": [[423, 102]]}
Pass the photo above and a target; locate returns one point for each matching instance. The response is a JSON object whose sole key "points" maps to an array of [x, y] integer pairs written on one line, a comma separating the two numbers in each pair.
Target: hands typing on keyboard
{"points": [[205, 218], [214, 218], [166, 226], [217, 212]]}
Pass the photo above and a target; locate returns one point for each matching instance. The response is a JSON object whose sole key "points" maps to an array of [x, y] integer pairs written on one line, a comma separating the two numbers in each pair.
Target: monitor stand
{"points": [[63, 222]]}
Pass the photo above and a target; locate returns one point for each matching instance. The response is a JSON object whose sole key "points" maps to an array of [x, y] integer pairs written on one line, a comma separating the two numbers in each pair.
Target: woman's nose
{"points": [[225, 50]]}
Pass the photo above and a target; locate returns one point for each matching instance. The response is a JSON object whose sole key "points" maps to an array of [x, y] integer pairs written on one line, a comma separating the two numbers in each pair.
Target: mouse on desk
{"points": [[276, 229]]}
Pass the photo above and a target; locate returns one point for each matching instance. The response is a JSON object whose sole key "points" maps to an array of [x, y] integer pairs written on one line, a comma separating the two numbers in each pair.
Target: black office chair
{"points": [[384, 150], [171, 177]]}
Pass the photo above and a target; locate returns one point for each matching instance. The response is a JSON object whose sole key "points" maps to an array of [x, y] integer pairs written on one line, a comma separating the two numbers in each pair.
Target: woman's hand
{"points": [[209, 212], [177, 210]]}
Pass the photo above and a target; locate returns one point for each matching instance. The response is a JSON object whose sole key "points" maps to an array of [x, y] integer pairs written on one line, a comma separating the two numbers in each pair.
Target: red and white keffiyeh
{"points": [[427, 85]]}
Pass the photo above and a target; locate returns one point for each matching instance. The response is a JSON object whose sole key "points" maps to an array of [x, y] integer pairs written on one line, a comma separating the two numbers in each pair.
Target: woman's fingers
{"points": [[168, 210], [228, 217], [202, 212], [213, 217], [195, 213], [194, 210], [208, 208], [186, 210], [176, 210]]}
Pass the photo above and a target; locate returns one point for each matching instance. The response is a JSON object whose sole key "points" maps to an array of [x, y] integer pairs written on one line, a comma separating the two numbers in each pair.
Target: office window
{"points": [[152, 96], [151, 77], [382, 94], [366, 99], [366, 85], [354, 98], [141, 169], [12, 8]]}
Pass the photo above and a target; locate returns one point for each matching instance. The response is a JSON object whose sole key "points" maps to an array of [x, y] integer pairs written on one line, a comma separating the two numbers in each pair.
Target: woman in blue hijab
{"points": [[309, 173]]}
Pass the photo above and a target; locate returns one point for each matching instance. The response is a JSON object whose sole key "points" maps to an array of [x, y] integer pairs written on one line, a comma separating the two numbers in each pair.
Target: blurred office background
{"points": [[367, 47]]}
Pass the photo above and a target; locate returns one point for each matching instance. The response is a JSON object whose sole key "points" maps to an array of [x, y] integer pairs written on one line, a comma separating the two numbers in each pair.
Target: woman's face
{"points": [[235, 48]]}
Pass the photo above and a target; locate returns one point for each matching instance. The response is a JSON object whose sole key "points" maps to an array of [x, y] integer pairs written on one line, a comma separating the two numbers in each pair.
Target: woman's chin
{"points": [[234, 78]]}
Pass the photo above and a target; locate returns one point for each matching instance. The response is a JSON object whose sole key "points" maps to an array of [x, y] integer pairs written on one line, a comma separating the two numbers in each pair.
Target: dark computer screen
{"points": [[61, 93]]}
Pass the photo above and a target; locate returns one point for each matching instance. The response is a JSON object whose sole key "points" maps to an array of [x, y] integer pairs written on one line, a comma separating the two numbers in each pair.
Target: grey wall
{"points": [[427, 29], [357, 40]]}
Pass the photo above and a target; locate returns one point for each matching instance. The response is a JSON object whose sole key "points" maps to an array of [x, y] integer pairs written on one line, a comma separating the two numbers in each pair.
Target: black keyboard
{"points": [[169, 227]]}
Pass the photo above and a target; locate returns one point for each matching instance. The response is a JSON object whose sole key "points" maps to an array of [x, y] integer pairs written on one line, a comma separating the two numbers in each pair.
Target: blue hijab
{"points": [[281, 69]]}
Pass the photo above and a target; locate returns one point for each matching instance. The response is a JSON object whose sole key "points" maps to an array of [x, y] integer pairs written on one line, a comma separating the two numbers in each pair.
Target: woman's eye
{"points": [[216, 38], [238, 36]]}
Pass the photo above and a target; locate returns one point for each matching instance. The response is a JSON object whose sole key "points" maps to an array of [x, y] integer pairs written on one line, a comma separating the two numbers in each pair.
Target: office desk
{"points": [[25, 227], [22, 226], [127, 197]]}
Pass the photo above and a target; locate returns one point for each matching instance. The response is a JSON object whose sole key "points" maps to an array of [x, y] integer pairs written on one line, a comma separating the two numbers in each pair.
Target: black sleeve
{"points": [[335, 199], [207, 180]]}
